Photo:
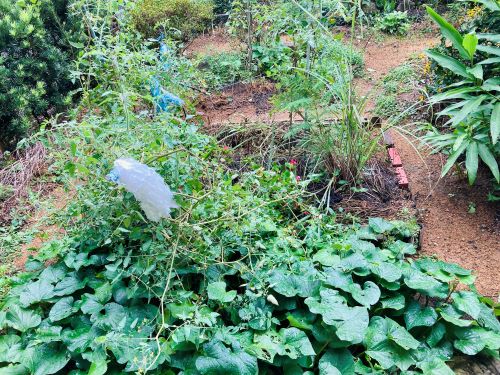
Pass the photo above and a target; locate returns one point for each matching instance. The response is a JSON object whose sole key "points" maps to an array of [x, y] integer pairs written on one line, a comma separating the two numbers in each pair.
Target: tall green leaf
{"points": [[472, 161], [469, 108], [450, 63], [489, 160], [495, 123], [470, 44], [449, 32], [453, 158]]}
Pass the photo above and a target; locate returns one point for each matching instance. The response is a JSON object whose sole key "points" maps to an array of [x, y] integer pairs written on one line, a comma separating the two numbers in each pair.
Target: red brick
{"points": [[402, 178], [394, 156]]}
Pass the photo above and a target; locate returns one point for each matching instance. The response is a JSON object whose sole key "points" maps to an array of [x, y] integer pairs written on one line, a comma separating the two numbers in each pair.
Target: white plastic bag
{"points": [[147, 186]]}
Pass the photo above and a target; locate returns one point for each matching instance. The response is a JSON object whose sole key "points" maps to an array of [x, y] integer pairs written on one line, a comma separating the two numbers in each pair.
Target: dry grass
{"points": [[17, 177]]}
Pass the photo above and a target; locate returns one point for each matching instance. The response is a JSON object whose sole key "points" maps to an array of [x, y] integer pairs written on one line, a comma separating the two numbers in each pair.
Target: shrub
{"points": [[182, 18], [471, 102], [396, 23], [34, 64]]}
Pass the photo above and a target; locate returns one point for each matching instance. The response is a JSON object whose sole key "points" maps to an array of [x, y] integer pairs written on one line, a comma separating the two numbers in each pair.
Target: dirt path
{"points": [[459, 225]]}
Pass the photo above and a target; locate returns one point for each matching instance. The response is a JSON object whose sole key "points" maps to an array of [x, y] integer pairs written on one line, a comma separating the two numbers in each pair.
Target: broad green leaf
{"points": [[62, 309], [289, 342], [401, 249], [495, 123], [21, 319], [46, 332], [492, 60], [491, 84], [436, 335], [451, 315], [418, 316], [351, 322], [35, 292], [389, 343], [70, 284], [103, 292], [425, 284], [290, 285], [379, 225], [14, 370], [435, 366], [472, 340], [10, 346], [217, 291], [54, 273], [45, 359], [458, 93], [89, 305], [449, 32], [477, 71], [219, 359], [470, 44], [369, 295], [488, 319], [387, 271], [467, 302], [488, 158], [98, 368], [450, 63], [469, 108], [296, 340], [472, 162], [396, 302], [326, 257], [338, 279], [338, 361]]}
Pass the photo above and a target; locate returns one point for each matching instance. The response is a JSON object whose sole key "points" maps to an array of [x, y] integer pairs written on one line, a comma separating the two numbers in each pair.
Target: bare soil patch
{"points": [[239, 103]]}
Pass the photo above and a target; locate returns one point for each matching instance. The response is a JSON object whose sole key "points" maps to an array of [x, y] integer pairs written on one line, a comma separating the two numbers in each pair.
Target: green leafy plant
{"points": [[473, 105], [396, 23], [223, 69], [181, 18]]}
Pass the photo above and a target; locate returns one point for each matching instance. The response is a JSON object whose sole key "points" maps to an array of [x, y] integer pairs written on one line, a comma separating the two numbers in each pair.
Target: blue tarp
{"points": [[164, 99]]}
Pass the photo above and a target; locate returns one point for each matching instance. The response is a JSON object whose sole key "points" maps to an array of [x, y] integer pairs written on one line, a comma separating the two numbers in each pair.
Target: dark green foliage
{"points": [[222, 6], [34, 64]]}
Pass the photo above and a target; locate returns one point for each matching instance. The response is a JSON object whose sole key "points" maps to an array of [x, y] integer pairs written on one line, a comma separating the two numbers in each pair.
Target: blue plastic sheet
{"points": [[164, 100]]}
